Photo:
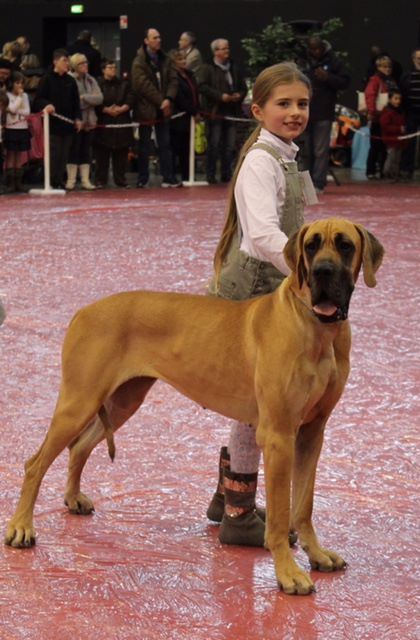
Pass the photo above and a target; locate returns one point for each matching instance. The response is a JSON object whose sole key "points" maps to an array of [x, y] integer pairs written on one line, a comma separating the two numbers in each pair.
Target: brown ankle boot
{"points": [[240, 524], [217, 504]]}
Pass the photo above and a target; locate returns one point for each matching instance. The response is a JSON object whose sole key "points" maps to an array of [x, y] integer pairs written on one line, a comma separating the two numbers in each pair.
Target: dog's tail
{"points": [[109, 433]]}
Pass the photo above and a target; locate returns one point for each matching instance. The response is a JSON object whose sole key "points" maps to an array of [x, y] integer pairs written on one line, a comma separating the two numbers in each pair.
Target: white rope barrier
{"points": [[191, 182], [364, 134]]}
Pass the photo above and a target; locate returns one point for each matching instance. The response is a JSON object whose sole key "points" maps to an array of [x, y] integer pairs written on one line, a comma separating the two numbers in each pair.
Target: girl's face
{"points": [[17, 86], [286, 112]]}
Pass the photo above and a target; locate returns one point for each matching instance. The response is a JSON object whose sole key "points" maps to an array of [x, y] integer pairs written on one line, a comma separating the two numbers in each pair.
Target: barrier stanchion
{"points": [[47, 190], [191, 182]]}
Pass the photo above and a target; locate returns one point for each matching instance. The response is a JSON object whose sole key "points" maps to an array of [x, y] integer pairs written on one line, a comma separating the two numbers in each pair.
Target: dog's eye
{"points": [[311, 247], [345, 247]]}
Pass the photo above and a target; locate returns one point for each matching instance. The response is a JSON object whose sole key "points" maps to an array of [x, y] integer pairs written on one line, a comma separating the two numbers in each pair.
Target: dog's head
{"points": [[326, 257]]}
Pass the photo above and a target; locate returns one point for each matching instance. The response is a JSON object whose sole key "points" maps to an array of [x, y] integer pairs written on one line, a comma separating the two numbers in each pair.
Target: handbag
{"points": [[200, 140], [381, 101]]}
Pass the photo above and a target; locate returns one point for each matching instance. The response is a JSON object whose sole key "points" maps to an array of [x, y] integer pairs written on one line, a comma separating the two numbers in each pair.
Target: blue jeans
{"points": [[221, 140], [317, 138], [164, 152]]}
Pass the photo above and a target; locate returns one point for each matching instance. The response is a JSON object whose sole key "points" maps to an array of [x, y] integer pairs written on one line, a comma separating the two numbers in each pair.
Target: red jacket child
{"points": [[392, 121]]}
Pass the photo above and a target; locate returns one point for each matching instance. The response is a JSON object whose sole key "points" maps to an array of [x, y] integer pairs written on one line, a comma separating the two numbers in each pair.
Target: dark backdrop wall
{"points": [[50, 24]]}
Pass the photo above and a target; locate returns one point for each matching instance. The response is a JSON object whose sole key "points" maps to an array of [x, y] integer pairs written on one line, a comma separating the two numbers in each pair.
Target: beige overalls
{"points": [[244, 277], [241, 276]]}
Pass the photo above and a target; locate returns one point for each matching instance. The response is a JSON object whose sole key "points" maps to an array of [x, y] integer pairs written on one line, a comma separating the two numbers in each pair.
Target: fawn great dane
{"points": [[279, 362]]}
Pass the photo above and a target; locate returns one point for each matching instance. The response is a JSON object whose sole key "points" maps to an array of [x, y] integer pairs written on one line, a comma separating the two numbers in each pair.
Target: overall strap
{"points": [[271, 150]]}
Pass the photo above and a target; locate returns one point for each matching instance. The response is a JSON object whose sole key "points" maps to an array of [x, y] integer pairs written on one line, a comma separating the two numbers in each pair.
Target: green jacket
{"points": [[149, 91], [212, 84]]}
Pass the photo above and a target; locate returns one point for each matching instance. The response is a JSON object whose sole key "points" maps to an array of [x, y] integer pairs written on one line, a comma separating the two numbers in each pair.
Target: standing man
{"points": [[186, 44], [154, 82], [57, 92], [410, 86], [328, 76], [222, 89], [84, 45]]}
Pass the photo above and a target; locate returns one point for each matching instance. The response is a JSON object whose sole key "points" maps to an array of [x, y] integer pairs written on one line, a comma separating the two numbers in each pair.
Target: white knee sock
{"points": [[244, 453]]}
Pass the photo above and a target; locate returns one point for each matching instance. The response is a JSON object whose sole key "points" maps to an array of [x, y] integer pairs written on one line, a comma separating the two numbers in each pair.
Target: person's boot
{"points": [[216, 507], [84, 177], [9, 181], [215, 510], [240, 524], [19, 186], [71, 176]]}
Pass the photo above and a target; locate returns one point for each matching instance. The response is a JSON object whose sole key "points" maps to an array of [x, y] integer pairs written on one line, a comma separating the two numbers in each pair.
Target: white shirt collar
{"points": [[288, 151]]}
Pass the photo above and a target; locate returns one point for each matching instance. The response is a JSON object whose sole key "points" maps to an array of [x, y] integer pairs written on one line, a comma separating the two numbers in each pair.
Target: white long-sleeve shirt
{"points": [[260, 194], [17, 111]]}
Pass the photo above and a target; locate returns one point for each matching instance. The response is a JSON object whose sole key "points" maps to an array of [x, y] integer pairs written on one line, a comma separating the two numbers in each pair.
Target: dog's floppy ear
{"points": [[372, 255], [293, 253]]}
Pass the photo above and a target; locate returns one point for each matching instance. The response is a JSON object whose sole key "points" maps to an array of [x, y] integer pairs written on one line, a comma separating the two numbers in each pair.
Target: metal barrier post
{"points": [[47, 190], [191, 174]]}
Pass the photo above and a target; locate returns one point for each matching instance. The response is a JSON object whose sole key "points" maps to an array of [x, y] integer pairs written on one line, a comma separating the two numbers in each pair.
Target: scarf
{"points": [[226, 69]]}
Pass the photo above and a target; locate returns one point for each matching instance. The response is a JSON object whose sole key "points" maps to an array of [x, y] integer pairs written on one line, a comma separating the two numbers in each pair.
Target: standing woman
{"points": [[113, 143], [376, 94], [81, 148], [17, 139], [185, 101], [265, 207]]}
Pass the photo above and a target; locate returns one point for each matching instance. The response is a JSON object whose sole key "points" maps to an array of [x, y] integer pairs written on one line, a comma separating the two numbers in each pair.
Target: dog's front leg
{"points": [[308, 448], [278, 450]]}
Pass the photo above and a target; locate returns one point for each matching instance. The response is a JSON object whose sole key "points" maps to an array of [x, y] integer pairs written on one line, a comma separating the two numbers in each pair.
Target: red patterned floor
{"points": [[147, 565]]}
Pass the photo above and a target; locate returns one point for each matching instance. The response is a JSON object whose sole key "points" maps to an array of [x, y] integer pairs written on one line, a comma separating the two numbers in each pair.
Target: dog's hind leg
{"points": [[69, 420], [118, 408]]}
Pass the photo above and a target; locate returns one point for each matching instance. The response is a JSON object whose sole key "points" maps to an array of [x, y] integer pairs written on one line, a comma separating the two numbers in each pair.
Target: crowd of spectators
{"points": [[94, 113]]}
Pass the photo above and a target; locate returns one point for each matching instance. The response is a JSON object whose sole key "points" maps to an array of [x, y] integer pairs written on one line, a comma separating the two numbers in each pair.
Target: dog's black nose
{"points": [[324, 269]]}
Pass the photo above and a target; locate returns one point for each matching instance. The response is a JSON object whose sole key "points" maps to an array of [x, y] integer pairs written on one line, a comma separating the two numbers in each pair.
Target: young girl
{"points": [[17, 139], [265, 207]]}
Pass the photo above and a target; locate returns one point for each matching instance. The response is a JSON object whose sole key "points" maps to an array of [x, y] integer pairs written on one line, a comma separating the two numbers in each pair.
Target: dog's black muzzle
{"points": [[331, 288]]}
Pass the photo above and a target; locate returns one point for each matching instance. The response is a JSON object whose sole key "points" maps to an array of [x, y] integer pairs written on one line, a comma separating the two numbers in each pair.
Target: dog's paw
{"points": [[79, 504], [292, 579], [20, 536], [326, 561]]}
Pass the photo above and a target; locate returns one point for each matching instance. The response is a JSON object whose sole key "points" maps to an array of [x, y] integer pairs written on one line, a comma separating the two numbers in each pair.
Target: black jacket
{"points": [[212, 84], [186, 100], [410, 87], [62, 92], [116, 92], [324, 94]]}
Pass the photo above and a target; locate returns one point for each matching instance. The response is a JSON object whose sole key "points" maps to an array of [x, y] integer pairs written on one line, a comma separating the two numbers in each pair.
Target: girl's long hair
{"points": [[266, 82]]}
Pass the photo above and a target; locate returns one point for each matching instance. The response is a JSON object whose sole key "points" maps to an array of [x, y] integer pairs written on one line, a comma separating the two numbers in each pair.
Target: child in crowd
{"points": [[4, 102], [17, 139], [392, 121], [265, 207]]}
